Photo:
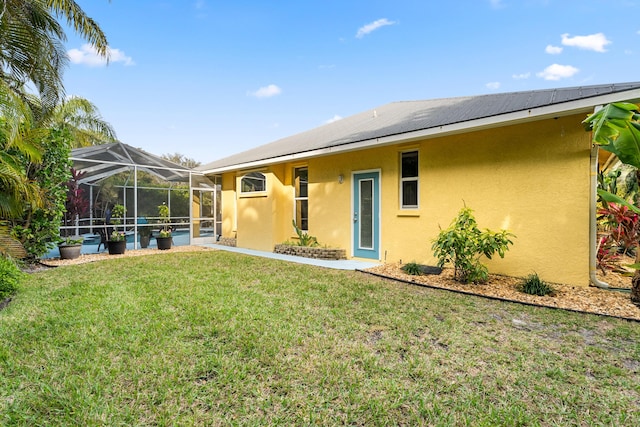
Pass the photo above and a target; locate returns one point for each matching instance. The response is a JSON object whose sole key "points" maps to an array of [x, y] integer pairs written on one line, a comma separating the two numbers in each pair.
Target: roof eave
{"points": [[585, 105]]}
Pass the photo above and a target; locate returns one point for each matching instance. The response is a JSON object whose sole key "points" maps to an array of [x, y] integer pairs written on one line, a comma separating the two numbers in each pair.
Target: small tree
{"points": [[463, 244]]}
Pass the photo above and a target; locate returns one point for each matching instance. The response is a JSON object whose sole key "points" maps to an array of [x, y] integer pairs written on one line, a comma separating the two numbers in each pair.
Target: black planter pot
{"points": [[117, 248], [70, 251], [164, 243]]}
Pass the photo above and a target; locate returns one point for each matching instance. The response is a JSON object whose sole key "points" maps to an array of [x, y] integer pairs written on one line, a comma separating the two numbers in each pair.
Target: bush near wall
{"points": [[311, 252]]}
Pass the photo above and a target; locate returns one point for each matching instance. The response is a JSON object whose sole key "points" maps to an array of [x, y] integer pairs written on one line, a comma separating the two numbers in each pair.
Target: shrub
{"points": [[463, 243], [412, 268], [304, 239], [9, 278], [622, 224], [533, 285]]}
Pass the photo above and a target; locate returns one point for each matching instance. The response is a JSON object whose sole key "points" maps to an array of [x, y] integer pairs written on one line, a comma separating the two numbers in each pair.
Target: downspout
{"points": [[593, 224]]}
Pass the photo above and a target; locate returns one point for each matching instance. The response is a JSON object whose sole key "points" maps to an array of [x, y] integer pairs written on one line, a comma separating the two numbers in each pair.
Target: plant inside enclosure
{"points": [[10, 277], [412, 268], [163, 213], [117, 236], [463, 244], [534, 285], [77, 203], [304, 239], [117, 214]]}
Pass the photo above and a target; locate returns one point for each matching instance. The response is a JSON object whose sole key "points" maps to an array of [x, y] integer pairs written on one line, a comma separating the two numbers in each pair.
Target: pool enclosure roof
{"points": [[102, 161]]}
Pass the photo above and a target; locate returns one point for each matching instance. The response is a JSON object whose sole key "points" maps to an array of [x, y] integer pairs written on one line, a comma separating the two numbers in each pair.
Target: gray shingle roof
{"points": [[403, 117]]}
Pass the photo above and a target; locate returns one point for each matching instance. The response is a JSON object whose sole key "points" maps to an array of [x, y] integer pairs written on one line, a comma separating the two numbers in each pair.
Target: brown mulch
{"points": [[576, 298]]}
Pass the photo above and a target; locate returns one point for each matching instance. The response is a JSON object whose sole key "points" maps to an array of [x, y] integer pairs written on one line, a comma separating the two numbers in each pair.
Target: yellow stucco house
{"points": [[379, 184]]}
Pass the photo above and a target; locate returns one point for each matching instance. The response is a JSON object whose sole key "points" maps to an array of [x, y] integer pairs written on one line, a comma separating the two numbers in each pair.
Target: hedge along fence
{"points": [[311, 252]]}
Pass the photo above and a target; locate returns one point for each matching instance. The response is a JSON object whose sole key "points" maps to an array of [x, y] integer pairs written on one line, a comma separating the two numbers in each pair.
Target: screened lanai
{"points": [[115, 175]]}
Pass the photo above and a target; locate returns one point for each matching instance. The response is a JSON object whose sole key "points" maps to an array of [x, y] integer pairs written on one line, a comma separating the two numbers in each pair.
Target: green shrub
{"points": [[304, 239], [412, 268], [533, 285], [463, 243], [10, 276]]}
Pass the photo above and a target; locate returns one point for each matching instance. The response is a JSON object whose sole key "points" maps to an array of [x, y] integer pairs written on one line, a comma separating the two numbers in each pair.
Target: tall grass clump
{"points": [[534, 285]]}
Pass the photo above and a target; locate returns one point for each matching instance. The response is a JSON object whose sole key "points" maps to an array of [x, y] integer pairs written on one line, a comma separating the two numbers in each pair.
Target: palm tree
{"points": [[83, 120], [31, 44], [18, 139]]}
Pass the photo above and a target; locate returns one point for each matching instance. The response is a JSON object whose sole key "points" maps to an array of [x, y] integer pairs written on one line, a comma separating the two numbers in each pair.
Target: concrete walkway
{"points": [[343, 264]]}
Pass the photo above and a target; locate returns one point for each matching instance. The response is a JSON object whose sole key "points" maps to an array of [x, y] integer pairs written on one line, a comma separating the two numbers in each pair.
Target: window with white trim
{"points": [[253, 182], [409, 180], [301, 198]]}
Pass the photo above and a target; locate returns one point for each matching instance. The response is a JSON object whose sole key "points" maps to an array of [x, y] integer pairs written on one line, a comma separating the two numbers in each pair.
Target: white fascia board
{"points": [[585, 105]]}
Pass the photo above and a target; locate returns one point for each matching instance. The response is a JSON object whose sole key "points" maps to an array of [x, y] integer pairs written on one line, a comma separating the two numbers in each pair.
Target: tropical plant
{"points": [[71, 241], [38, 228], [622, 224], [607, 256], [32, 51], [83, 120], [77, 203], [463, 244], [616, 128], [304, 239]]}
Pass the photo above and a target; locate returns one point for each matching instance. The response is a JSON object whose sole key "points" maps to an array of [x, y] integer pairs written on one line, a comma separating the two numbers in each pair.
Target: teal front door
{"points": [[366, 215]]}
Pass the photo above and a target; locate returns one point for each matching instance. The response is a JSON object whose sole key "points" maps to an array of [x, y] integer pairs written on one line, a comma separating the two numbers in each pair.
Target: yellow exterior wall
{"points": [[532, 179]]}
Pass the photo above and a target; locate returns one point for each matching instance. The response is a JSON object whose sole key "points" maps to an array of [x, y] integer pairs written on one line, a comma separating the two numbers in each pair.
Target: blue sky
{"points": [[208, 79]]}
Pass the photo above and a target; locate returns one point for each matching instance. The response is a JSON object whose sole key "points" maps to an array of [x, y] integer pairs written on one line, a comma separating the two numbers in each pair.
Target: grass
{"points": [[216, 338]]}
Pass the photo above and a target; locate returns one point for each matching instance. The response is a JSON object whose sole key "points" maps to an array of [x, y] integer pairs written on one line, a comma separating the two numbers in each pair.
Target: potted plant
{"points": [[70, 247], [164, 237], [117, 243]]}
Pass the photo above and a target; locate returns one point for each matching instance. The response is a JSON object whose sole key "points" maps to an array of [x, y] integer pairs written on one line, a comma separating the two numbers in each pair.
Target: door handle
{"points": [[355, 217]]}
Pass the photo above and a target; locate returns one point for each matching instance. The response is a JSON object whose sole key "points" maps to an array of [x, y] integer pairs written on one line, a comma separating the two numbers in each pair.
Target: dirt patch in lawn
{"points": [[577, 298]]}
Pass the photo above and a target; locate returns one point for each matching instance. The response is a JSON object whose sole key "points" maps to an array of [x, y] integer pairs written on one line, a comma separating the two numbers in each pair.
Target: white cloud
{"points": [[493, 85], [496, 4], [521, 76], [266, 92], [87, 55], [200, 4], [595, 42], [553, 50], [333, 119], [363, 31], [557, 72]]}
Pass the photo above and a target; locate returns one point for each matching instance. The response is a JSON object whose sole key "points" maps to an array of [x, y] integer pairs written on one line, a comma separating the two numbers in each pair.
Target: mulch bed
{"points": [[574, 298]]}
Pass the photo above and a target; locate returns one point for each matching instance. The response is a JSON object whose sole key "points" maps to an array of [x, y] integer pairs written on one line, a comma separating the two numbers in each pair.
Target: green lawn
{"points": [[216, 338]]}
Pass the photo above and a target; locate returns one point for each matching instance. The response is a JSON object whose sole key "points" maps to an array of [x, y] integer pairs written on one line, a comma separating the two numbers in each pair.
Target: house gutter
{"points": [[593, 223]]}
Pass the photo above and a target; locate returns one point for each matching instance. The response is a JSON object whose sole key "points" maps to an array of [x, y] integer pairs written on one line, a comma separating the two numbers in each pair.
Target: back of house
{"points": [[381, 184]]}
